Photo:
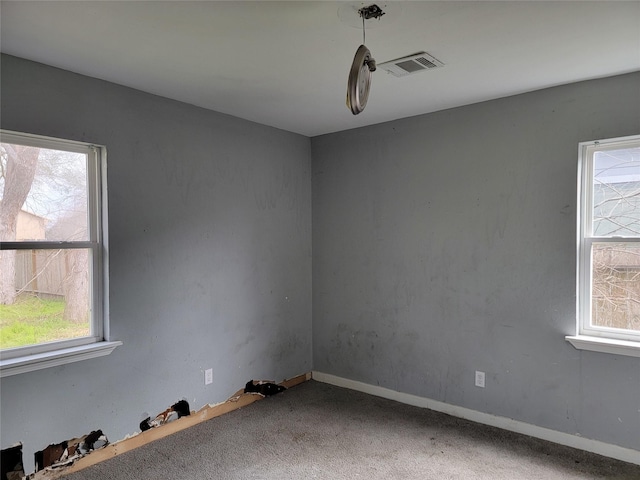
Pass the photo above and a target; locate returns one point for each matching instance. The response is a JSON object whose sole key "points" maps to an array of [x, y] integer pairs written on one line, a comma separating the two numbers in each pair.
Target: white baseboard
{"points": [[575, 441]]}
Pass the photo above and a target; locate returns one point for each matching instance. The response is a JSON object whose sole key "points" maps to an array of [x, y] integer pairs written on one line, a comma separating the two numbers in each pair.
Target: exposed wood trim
{"points": [[236, 401], [292, 382]]}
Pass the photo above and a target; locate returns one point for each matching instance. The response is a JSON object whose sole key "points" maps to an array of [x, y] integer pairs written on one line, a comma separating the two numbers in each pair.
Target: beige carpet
{"points": [[320, 431]]}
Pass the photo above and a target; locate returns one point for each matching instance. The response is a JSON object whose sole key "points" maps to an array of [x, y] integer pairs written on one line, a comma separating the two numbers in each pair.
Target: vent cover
{"points": [[419, 62]]}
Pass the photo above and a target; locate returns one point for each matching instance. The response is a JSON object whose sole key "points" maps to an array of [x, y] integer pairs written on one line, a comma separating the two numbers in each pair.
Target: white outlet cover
{"points": [[208, 376], [479, 379]]}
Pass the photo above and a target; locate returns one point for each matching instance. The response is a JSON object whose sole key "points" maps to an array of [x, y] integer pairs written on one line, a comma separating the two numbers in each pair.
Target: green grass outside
{"points": [[32, 320]]}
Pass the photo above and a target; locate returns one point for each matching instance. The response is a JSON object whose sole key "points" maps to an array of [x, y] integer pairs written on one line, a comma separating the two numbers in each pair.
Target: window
{"points": [[52, 283], [609, 243]]}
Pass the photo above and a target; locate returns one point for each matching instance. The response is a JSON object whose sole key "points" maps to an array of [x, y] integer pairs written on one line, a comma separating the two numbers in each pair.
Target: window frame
{"points": [[43, 355], [598, 338]]}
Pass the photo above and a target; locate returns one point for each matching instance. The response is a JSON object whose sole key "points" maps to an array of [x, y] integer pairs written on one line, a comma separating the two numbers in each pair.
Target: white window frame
{"points": [[589, 337], [34, 357]]}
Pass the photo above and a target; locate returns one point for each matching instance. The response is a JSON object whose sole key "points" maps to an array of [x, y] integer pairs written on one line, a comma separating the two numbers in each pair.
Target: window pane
{"points": [[51, 296], [616, 192], [43, 194], [615, 292]]}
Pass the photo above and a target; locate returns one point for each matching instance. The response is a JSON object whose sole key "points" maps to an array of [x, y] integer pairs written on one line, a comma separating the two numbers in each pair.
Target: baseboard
{"points": [[594, 446]]}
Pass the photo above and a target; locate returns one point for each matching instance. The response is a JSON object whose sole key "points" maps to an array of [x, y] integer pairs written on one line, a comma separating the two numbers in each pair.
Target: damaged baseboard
{"points": [[575, 441], [238, 400]]}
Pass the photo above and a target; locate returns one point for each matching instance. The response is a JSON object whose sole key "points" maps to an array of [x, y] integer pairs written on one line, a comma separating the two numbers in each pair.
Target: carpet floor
{"points": [[315, 430]]}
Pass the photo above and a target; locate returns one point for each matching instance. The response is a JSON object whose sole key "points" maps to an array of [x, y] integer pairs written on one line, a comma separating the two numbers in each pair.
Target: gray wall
{"points": [[442, 244], [210, 256], [446, 243]]}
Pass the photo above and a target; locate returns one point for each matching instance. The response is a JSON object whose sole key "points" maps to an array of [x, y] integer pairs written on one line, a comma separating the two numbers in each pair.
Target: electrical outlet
{"points": [[208, 376], [479, 379]]}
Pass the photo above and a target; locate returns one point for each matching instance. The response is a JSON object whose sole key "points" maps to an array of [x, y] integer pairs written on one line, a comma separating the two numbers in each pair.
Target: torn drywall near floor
{"points": [[263, 387], [66, 452], [11, 465], [180, 409], [238, 400]]}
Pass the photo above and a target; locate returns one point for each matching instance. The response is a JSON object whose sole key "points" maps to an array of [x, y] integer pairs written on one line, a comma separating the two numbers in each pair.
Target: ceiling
{"points": [[286, 64]]}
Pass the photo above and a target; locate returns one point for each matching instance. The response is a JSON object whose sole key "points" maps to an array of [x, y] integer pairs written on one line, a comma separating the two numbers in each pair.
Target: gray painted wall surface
{"points": [[210, 256], [445, 244], [442, 244]]}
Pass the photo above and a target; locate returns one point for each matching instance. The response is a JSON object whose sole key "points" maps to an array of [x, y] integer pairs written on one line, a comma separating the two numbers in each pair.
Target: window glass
{"points": [[615, 293], [616, 192], [50, 270]]}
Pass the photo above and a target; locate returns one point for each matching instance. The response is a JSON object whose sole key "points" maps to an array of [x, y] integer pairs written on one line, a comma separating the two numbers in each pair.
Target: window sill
{"points": [[15, 366], [605, 345]]}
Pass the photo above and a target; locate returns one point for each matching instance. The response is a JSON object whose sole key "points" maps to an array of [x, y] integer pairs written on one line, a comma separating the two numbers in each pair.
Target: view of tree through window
{"points": [[615, 287], [44, 292]]}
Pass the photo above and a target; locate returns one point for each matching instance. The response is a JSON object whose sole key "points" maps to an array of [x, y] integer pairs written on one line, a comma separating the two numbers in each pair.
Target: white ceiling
{"points": [[285, 64]]}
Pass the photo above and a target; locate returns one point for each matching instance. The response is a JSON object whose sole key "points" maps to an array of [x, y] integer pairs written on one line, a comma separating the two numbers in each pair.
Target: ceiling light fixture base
{"points": [[348, 13]]}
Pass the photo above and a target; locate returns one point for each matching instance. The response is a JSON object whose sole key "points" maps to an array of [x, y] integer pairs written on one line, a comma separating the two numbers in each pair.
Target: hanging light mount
{"points": [[362, 66], [372, 11]]}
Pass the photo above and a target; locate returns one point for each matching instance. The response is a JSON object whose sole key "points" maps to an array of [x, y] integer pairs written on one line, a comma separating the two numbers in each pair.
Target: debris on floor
{"points": [[11, 463], [263, 387], [67, 452], [181, 409]]}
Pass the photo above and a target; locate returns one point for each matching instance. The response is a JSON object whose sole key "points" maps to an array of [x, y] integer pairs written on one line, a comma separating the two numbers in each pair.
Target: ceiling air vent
{"points": [[411, 64]]}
